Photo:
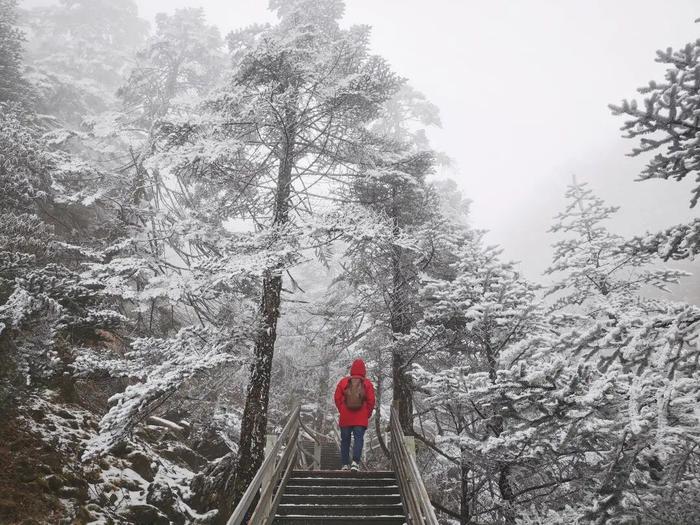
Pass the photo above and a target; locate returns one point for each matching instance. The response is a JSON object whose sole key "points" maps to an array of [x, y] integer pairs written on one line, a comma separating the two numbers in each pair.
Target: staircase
{"points": [[282, 494], [330, 456], [341, 498]]}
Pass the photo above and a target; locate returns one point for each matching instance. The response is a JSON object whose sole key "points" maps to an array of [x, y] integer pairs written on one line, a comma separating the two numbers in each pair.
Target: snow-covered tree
{"points": [[176, 277], [78, 54], [644, 353], [392, 184], [590, 261], [13, 86], [290, 121], [183, 58], [45, 307], [666, 124], [485, 379]]}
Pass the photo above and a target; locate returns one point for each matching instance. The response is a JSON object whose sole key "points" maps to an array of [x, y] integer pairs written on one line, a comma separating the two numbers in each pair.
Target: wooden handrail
{"points": [[311, 432], [419, 510], [271, 470]]}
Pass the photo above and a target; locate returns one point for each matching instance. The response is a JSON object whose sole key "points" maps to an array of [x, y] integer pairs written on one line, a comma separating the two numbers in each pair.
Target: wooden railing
{"points": [[315, 456], [283, 453], [272, 476], [416, 502]]}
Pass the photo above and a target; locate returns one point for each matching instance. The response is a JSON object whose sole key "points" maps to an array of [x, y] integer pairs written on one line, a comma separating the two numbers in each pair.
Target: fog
{"points": [[523, 89], [221, 266]]}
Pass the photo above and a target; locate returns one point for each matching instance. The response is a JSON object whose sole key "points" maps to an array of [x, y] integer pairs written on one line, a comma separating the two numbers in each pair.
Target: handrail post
{"points": [[317, 456], [410, 445], [271, 439]]}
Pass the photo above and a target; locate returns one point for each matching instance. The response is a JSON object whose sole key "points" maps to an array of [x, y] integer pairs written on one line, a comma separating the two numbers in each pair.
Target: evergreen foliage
{"points": [[13, 87]]}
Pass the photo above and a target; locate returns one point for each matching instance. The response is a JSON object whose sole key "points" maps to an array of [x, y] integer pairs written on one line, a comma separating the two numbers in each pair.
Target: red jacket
{"points": [[355, 418]]}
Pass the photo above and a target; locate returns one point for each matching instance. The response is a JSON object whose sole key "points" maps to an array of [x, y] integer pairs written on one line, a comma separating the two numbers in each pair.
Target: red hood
{"points": [[358, 368]]}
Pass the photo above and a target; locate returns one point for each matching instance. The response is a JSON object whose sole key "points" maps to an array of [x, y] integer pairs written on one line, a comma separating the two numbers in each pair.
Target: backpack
{"points": [[355, 393]]}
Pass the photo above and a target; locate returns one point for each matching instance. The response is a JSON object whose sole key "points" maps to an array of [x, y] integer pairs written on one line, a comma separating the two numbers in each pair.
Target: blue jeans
{"points": [[358, 434]]}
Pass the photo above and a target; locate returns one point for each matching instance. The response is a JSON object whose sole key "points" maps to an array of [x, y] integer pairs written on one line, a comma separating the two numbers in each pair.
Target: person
{"points": [[354, 398]]}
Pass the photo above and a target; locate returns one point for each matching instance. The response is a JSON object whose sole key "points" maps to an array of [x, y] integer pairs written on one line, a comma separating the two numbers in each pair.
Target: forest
{"points": [[199, 232]]}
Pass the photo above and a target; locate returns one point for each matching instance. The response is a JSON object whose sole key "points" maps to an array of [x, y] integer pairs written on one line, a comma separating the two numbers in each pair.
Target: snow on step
{"points": [[340, 520], [340, 510], [341, 497]]}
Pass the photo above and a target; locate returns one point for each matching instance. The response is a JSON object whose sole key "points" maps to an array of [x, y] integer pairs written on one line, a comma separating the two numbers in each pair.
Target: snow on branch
{"points": [[191, 351]]}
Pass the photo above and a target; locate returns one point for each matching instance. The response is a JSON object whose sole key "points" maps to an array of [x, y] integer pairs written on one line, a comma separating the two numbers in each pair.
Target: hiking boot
{"points": [[355, 467], [345, 467]]}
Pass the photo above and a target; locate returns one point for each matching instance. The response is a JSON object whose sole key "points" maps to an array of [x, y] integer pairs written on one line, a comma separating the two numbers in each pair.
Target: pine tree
{"points": [[293, 116], [393, 186], [473, 317], [45, 307], [176, 275], [591, 260], [667, 126], [183, 56], [604, 323], [13, 87], [79, 53]]}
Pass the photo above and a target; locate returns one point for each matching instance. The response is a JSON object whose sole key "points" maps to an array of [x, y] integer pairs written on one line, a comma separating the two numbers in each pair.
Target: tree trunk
{"points": [[464, 507], [400, 324], [251, 450], [254, 423], [506, 492], [497, 425]]}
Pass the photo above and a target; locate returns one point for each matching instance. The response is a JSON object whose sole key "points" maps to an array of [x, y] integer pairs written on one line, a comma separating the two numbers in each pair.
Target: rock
{"points": [[161, 496], [209, 486], [26, 474], [207, 519], [182, 454], [65, 414], [37, 415], [127, 483], [142, 465], [55, 482], [73, 493], [211, 446], [121, 450], [84, 515], [144, 515]]}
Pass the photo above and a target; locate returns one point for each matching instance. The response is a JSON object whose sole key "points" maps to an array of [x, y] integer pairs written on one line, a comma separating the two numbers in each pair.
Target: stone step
{"points": [[340, 510], [341, 499], [339, 520], [340, 490], [342, 481], [364, 474]]}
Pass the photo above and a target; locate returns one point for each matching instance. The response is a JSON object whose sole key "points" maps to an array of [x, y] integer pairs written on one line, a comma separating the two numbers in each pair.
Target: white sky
{"points": [[523, 88]]}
